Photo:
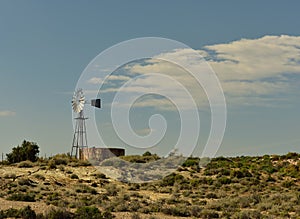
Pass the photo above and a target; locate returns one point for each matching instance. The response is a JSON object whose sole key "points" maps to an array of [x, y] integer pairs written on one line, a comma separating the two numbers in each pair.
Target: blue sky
{"points": [[45, 46]]}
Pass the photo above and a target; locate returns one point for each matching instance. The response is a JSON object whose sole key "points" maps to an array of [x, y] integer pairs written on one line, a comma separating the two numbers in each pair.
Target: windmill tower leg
{"points": [[80, 136]]}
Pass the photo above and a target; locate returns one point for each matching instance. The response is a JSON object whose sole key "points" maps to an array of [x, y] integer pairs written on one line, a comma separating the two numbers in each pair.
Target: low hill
{"points": [[237, 187]]}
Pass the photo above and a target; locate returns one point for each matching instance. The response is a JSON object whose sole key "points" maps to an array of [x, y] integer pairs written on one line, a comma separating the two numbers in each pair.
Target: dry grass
{"points": [[243, 187]]}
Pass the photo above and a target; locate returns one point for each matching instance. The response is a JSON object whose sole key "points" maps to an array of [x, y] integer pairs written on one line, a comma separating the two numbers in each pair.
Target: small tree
{"points": [[27, 151], [147, 153]]}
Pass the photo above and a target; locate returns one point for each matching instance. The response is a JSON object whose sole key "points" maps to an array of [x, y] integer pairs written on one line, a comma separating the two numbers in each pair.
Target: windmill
{"points": [[80, 134]]}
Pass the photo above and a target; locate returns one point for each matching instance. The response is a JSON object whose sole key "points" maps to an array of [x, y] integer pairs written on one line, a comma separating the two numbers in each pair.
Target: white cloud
{"points": [[251, 71], [97, 80], [253, 59], [6, 113]]}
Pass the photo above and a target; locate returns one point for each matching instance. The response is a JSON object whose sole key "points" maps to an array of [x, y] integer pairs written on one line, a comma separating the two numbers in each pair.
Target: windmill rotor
{"points": [[78, 101]]}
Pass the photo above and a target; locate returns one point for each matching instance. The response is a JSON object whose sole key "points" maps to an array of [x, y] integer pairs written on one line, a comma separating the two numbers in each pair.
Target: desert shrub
{"points": [[51, 164], [240, 173], [39, 176], [27, 151], [9, 176], [53, 197], [291, 170], [61, 168], [191, 161], [74, 176], [10, 213], [224, 180], [297, 199], [27, 197], [223, 172], [256, 198], [25, 164], [55, 213], [178, 210], [195, 211], [107, 215], [88, 212], [111, 189], [171, 179], [244, 202], [69, 171], [134, 205], [100, 176], [268, 167], [288, 183], [291, 155], [56, 200], [94, 184], [209, 214], [140, 159], [84, 163], [211, 172], [211, 195], [135, 216], [133, 187], [24, 182], [25, 213], [147, 153], [248, 214], [82, 188], [60, 161], [264, 206]]}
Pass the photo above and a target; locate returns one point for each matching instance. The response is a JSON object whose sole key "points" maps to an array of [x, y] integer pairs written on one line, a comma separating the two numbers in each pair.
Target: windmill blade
{"points": [[78, 101]]}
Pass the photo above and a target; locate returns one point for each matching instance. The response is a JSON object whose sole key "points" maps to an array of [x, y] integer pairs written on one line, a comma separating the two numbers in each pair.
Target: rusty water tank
{"points": [[100, 154]]}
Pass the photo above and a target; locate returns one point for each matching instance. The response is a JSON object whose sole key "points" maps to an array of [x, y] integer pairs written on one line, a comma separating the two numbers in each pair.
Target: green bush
{"points": [[88, 212], [291, 155], [171, 179], [288, 184], [211, 195], [248, 214], [25, 164], [27, 151], [28, 197], [82, 188], [74, 176], [224, 180], [55, 213], [209, 214], [100, 176], [191, 161], [140, 159], [178, 210], [147, 153], [25, 213], [39, 176], [24, 182], [111, 189]]}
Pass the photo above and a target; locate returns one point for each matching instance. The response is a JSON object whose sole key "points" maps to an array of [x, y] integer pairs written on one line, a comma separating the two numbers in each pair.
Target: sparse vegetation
{"points": [[237, 187]]}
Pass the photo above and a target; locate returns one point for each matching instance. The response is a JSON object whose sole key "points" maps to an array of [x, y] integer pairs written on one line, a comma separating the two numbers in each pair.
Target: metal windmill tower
{"points": [[80, 133]]}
